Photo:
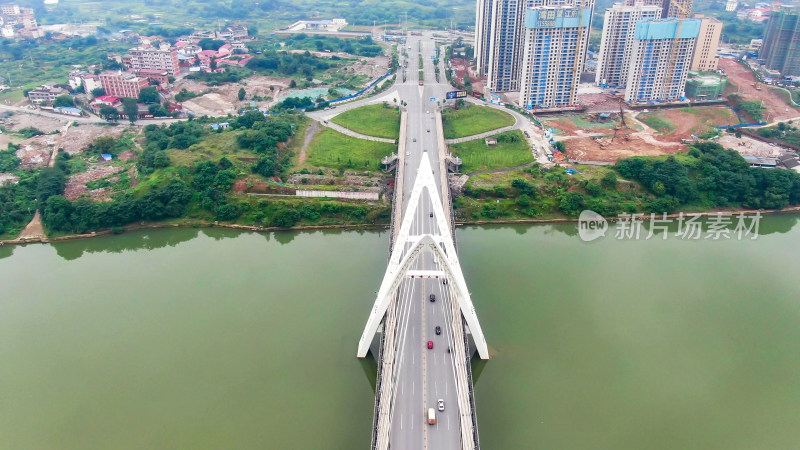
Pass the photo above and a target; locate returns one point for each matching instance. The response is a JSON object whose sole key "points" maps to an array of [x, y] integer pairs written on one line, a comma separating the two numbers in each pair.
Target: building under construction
{"points": [[704, 87], [660, 60], [781, 47]]}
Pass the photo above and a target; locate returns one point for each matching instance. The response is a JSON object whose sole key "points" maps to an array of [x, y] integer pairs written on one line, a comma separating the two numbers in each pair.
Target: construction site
{"points": [[606, 137]]}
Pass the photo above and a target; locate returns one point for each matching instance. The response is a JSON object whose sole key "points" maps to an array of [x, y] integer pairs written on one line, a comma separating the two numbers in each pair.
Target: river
{"points": [[187, 338]]}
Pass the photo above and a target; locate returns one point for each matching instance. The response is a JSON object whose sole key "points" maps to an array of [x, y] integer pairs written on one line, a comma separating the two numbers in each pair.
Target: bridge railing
{"points": [[471, 389], [378, 386]]}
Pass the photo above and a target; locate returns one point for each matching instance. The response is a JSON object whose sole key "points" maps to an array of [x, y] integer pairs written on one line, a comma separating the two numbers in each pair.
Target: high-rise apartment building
{"points": [[781, 47], [483, 28], [679, 9], [660, 60], [148, 58], [616, 43], [506, 34], [502, 72], [556, 39], [705, 57]]}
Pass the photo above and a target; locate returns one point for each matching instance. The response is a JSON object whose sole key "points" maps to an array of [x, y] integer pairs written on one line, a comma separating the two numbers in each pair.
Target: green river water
{"points": [[216, 339]]}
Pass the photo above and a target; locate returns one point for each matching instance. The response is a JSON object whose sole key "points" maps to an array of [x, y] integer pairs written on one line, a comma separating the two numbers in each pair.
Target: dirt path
{"points": [[310, 133], [34, 230]]}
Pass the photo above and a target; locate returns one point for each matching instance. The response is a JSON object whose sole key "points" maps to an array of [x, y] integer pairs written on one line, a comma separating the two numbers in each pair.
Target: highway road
{"points": [[423, 376]]}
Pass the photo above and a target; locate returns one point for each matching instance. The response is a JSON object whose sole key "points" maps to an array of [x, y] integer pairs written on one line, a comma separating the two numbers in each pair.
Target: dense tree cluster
{"points": [[61, 214], [288, 64], [360, 47], [783, 132], [718, 176], [17, 203], [179, 135]]}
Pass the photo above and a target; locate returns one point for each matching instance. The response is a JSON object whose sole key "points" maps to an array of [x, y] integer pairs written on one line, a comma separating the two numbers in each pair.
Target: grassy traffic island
{"points": [[331, 149], [473, 119], [511, 150], [706, 178], [190, 173], [379, 120]]}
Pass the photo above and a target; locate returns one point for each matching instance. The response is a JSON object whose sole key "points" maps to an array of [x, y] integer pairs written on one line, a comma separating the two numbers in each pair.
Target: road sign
{"points": [[433, 99], [456, 94]]}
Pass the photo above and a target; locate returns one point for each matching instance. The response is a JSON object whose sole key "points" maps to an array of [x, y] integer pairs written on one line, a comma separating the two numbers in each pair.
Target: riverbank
{"points": [[207, 224]]}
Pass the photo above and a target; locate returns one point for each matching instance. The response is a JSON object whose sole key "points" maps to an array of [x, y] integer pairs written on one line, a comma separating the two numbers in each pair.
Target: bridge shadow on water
{"points": [[477, 365], [370, 367]]}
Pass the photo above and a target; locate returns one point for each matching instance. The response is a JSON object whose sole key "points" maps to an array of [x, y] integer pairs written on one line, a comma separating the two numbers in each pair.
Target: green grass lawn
{"points": [[473, 120], [371, 120], [336, 150], [476, 155], [657, 123]]}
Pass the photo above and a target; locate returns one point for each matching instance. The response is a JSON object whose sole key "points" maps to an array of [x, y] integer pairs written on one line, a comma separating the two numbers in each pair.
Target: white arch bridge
{"points": [[419, 330]]}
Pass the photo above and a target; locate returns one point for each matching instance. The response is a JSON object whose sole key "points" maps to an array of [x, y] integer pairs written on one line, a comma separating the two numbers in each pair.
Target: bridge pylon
{"points": [[403, 258]]}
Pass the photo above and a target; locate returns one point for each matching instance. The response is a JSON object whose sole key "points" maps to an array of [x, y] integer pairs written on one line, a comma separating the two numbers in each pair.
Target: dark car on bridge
{"points": [[433, 298], [438, 330]]}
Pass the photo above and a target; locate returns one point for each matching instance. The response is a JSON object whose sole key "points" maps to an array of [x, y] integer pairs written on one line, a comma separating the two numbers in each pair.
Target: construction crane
{"points": [[622, 115]]}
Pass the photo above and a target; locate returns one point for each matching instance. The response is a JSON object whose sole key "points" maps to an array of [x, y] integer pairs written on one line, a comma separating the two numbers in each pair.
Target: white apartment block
{"points": [[556, 40], [616, 43], [731, 5], [9, 9], [506, 35], [483, 27], [148, 58], [705, 57], [660, 61], [502, 73]]}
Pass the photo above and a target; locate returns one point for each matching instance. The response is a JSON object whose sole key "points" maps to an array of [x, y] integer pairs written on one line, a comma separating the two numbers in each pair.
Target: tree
{"points": [[161, 159], [293, 84], [264, 167], [210, 44], [229, 211], [609, 180], [104, 144], [131, 109], [149, 95], [571, 203], [157, 110], [98, 92], [109, 113], [51, 182], [63, 101], [242, 94]]}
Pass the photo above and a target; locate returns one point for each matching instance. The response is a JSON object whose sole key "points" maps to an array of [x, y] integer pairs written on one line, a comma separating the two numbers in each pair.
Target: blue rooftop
{"points": [[668, 29]]}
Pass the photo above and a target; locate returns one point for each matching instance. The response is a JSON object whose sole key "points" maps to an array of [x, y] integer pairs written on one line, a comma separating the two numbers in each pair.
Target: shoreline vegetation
{"points": [[232, 226]]}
